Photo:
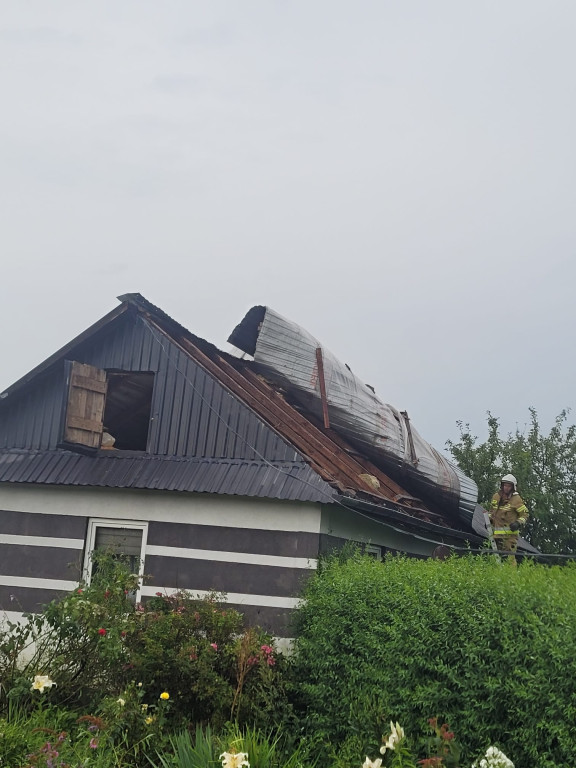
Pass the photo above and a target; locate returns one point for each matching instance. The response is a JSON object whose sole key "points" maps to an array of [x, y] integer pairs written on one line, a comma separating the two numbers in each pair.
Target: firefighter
{"points": [[507, 513]]}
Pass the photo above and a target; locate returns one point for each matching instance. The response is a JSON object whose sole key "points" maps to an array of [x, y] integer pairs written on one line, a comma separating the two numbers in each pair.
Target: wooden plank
{"points": [[322, 382], [93, 385], [89, 425]]}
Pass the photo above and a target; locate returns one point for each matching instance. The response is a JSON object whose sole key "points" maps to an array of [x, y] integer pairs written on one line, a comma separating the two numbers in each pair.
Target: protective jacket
{"points": [[505, 511]]}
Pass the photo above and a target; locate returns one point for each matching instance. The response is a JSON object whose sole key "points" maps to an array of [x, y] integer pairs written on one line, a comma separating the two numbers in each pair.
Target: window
{"points": [[125, 540], [114, 405], [128, 408], [373, 551]]}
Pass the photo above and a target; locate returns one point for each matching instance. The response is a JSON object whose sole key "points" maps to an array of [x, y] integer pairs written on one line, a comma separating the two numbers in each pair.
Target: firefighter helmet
{"points": [[509, 479]]}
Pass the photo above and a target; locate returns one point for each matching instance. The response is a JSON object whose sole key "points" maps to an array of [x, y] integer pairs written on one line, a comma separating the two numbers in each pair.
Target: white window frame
{"points": [[102, 522]]}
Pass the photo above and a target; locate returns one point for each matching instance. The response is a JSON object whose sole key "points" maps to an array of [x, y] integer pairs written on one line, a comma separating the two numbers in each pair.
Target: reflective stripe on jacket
{"points": [[505, 511]]}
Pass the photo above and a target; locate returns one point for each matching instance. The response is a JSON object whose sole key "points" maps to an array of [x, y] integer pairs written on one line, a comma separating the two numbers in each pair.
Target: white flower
{"points": [[40, 682], [396, 735], [121, 701], [372, 763], [494, 758], [234, 759]]}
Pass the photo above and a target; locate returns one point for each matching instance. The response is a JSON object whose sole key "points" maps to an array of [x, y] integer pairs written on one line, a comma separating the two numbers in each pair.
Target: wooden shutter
{"points": [[85, 406]]}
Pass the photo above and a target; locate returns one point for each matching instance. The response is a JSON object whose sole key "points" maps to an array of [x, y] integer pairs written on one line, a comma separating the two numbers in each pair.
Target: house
{"points": [[141, 436]]}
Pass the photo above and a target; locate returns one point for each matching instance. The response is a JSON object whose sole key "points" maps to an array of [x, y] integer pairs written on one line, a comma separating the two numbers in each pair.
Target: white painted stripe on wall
{"points": [[41, 541], [266, 601], [163, 506], [232, 557], [13, 616], [26, 581]]}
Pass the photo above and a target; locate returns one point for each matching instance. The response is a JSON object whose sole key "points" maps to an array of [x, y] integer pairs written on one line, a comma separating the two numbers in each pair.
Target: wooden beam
{"points": [[322, 382]]}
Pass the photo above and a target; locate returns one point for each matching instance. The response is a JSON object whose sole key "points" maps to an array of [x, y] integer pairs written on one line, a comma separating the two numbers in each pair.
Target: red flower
{"points": [[102, 631], [79, 591], [107, 594], [158, 594]]}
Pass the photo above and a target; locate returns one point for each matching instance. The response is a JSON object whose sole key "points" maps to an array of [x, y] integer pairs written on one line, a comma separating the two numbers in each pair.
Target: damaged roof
{"points": [[332, 467]]}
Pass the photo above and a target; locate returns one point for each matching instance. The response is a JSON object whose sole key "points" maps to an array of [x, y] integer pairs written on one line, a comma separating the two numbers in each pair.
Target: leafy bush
{"points": [[175, 659], [484, 645], [199, 652], [77, 643], [51, 737], [264, 749]]}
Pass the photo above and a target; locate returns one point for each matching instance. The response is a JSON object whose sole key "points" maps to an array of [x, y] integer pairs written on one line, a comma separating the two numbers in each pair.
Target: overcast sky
{"points": [[396, 176]]}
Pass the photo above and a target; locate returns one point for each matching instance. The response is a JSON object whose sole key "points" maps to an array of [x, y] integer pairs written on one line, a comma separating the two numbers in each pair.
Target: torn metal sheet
{"points": [[293, 359]]}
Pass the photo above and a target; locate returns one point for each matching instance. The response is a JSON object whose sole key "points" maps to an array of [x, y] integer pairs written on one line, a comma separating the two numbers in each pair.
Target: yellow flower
{"points": [[149, 720], [40, 682], [165, 695], [121, 702], [234, 759], [144, 707]]}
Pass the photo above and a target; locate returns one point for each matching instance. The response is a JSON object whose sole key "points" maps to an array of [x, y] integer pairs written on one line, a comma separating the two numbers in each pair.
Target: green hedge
{"points": [[485, 646]]}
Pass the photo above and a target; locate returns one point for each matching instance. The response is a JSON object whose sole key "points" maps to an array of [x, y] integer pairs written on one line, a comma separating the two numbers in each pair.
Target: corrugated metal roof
{"points": [[329, 462], [294, 481], [290, 357]]}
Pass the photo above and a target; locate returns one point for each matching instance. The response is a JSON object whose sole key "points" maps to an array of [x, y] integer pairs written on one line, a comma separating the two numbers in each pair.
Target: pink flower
{"points": [[253, 660], [102, 631], [267, 649], [158, 594], [93, 743], [213, 645], [193, 657], [271, 661]]}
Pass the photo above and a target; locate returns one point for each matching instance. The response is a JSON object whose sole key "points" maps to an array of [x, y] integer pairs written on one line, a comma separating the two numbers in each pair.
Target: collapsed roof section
{"points": [[293, 359]]}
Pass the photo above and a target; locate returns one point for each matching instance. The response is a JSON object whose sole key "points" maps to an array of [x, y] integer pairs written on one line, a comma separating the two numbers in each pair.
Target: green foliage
{"points": [[78, 641], [265, 749], [486, 646], [174, 661], [198, 651], [56, 738], [545, 466], [187, 751]]}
